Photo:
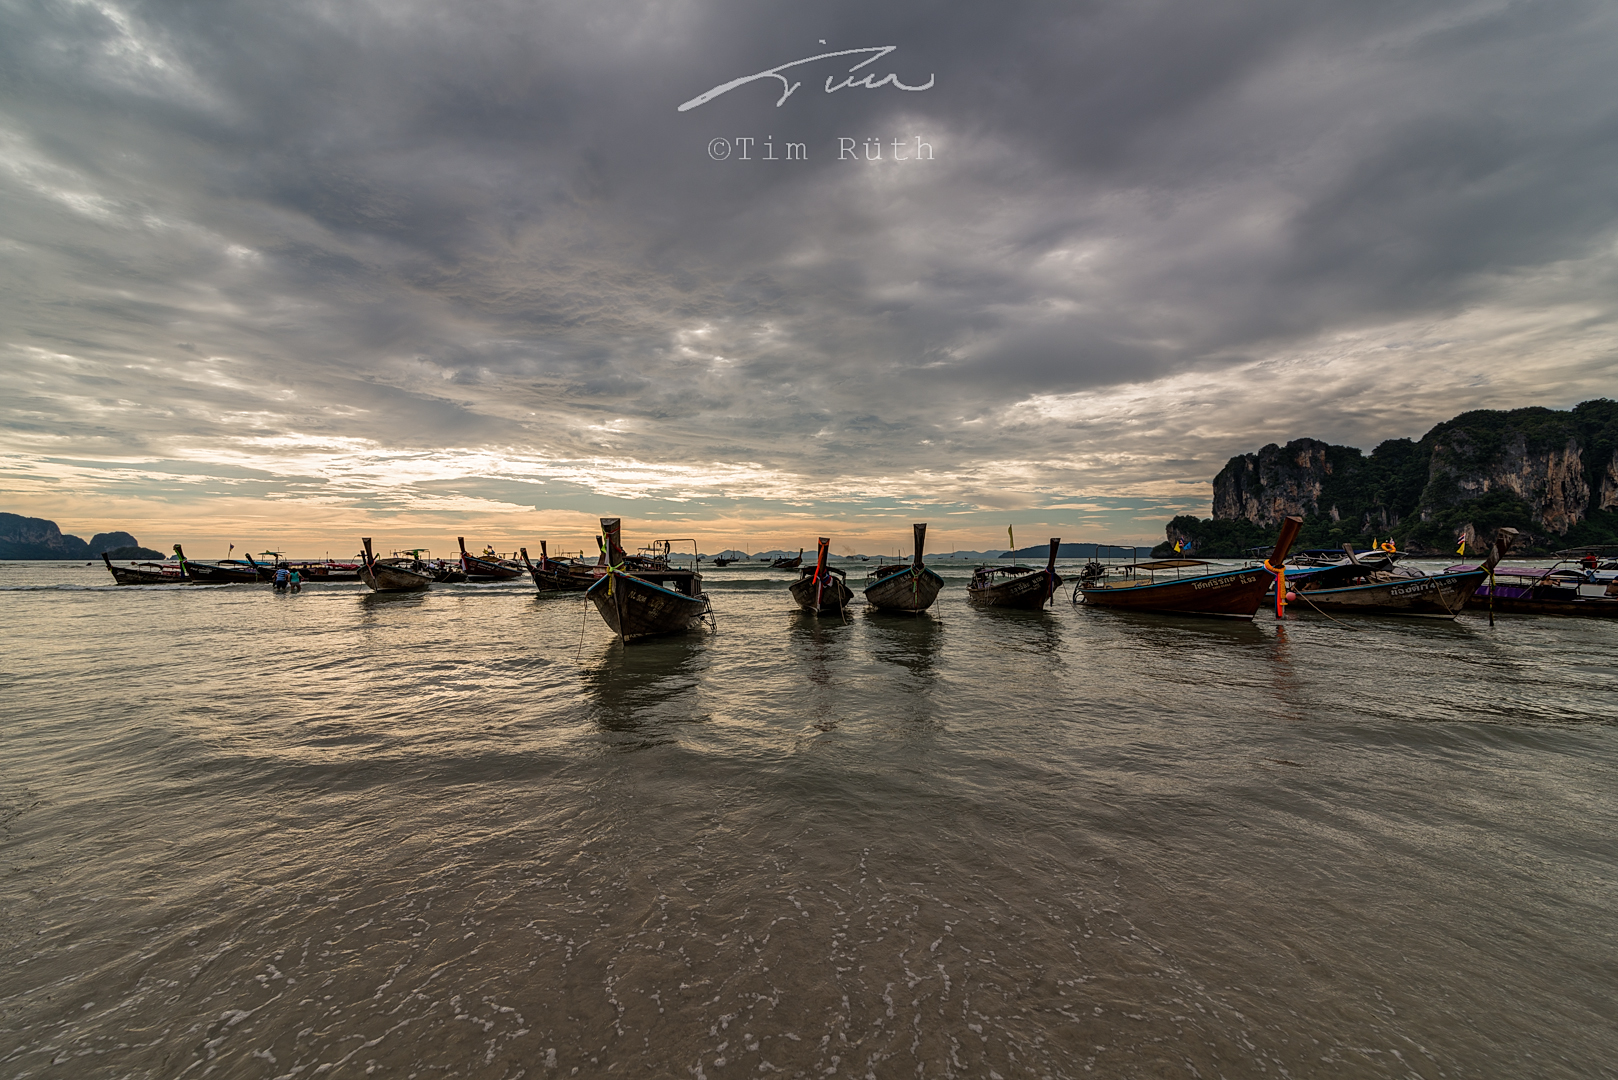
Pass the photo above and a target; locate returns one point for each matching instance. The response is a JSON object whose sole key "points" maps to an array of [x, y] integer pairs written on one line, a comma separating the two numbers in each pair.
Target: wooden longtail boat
{"points": [[644, 603], [1433, 596], [391, 577], [788, 564], [445, 571], [1234, 594], [146, 573], [1564, 588], [264, 572], [552, 575], [1025, 587], [484, 568], [905, 588], [204, 573], [822, 589]]}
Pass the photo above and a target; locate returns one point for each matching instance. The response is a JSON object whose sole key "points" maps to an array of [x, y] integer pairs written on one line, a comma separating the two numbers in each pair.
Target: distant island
{"points": [[1550, 474], [1041, 552], [38, 538]]}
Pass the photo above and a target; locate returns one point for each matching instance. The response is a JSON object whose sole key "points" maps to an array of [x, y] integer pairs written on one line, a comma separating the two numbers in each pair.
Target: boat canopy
{"points": [[1169, 564]]}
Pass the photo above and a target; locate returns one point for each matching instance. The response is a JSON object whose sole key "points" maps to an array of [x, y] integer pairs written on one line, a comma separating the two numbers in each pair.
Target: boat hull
{"points": [[1231, 594], [911, 589], [321, 572], [214, 574], [835, 596], [1028, 592], [1440, 596], [560, 579], [636, 609], [383, 578], [151, 574], [477, 569]]}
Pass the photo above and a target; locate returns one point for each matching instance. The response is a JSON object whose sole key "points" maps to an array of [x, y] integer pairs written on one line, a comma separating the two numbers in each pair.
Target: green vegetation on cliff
{"points": [[1552, 475]]}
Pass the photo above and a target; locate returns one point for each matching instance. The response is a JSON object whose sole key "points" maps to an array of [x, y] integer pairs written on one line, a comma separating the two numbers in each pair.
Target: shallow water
{"points": [[466, 834]]}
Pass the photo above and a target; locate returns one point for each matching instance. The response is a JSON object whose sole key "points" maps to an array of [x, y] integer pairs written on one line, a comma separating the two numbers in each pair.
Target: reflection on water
{"points": [[468, 833], [909, 640], [819, 643], [370, 600], [1029, 631], [643, 683], [1176, 631]]}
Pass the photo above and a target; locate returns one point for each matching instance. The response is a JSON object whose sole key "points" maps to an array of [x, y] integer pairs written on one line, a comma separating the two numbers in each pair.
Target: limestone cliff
{"points": [[1549, 473], [1277, 481], [40, 538], [1607, 484], [1550, 480]]}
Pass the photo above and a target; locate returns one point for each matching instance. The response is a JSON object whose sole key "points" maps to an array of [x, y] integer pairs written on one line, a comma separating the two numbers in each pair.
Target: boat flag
{"points": [[1011, 538], [1178, 547], [1462, 549]]}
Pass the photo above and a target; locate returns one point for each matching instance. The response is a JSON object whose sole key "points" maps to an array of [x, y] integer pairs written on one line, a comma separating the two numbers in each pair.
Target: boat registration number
{"points": [[1220, 583]]}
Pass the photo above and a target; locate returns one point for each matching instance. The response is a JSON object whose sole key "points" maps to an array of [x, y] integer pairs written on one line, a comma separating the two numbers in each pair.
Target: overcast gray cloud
{"points": [[306, 239]]}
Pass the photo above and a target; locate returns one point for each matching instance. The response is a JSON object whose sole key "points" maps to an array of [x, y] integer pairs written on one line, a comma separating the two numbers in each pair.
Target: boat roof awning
{"points": [[1170, 564]]}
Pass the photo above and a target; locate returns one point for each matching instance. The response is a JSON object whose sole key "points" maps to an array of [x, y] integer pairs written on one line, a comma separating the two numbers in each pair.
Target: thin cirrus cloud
{"points": [[301, 267]]}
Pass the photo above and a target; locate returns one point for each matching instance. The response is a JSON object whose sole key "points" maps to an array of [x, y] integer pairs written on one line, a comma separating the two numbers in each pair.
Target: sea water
{"points": [[466, 833]]}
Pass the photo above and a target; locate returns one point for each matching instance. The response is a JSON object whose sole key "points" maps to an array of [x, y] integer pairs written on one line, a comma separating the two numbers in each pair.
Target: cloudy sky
{"points": [[280, 273]]}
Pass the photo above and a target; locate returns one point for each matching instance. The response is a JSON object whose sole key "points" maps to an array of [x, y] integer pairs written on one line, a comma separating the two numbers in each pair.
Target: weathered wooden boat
{"points": [[487, 567], [146, 573], [1147, 587], [905, 588], [326, 570], [558, 575], [207, 573], [388, 576], [822, 589], [788, 564], [1559, 589], [644, 603], [265, 571], [445, 571], [659, 554], [1433, 596], [1024, 587]]}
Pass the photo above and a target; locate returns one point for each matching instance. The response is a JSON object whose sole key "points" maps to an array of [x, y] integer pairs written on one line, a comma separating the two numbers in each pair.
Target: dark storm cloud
{"points": [[487, 224]]}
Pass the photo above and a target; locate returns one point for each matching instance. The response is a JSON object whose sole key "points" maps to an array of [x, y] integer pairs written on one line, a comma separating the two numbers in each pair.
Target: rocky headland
{"points": [[39, 538], [1551, 474]]}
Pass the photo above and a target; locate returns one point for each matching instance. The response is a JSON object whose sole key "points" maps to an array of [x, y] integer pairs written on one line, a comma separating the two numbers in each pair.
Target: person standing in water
{"points": [[296, 581]]}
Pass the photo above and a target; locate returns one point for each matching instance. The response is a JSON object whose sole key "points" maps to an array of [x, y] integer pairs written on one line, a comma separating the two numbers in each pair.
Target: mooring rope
{"points": [[1311, 603]]}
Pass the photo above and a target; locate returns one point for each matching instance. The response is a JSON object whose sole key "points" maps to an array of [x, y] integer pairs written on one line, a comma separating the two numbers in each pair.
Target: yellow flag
{"points": [[1177, 547], [1462, 549], [1011, 538]]}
